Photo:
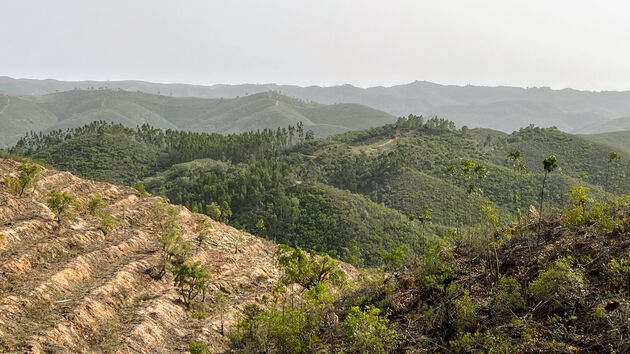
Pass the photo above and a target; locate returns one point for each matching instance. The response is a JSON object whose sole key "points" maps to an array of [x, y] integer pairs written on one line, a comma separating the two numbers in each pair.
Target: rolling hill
{"points": [[357, 184], [502, 108], [69, 109], [617, 140], [613, 125]]}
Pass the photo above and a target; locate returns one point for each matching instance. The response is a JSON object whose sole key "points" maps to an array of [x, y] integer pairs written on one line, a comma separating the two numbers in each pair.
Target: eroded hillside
{"points": [[69, 287]]}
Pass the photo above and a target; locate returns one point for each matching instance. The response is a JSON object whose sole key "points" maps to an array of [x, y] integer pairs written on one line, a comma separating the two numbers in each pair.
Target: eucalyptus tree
{"points": [[612, 157], [549, 165], [516, 159]]}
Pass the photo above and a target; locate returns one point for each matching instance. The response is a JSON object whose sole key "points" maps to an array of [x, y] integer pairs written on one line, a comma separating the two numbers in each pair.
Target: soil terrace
{"points": [[71, 288]]}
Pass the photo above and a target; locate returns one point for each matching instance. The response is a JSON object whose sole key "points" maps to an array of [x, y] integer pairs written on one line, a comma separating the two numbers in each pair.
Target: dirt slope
{"points": [[71, 288]]}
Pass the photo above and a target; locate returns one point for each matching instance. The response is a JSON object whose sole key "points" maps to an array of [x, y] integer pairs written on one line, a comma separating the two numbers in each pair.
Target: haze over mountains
{"points": [[501, 108], [69, 109]]}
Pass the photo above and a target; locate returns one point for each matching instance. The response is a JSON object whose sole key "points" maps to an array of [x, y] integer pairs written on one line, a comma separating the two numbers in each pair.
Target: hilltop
{"points": [[502, 108], [72, 286], [75, 108]]}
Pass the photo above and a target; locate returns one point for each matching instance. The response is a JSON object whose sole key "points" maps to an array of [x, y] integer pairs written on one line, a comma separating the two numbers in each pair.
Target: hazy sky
{"points": [[580, 44]]}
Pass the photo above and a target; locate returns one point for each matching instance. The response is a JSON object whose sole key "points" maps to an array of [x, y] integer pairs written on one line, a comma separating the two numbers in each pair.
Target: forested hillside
{"points": [[271, 110], [356, 195]]}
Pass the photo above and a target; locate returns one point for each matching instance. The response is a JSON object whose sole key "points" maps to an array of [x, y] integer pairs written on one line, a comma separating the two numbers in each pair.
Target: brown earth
{"points": [[71, 288]]}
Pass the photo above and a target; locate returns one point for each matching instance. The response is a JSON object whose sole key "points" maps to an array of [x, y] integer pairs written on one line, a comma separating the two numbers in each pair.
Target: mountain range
{"points": [[75, 108], [502, 108]]}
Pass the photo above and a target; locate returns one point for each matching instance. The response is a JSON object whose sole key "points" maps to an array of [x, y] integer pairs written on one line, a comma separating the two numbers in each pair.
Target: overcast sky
{"points": [[579, 44]]}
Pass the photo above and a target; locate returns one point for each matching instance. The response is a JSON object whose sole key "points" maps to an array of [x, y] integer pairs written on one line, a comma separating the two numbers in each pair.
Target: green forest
{"points": [[365, 188], [466, 240]]}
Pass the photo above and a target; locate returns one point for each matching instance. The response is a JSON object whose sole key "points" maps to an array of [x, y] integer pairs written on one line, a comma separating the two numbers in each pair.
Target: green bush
{"points": [[559, 285], [465, 311], [308, 270], [438, 267], [617, 272], [29, 173], [274, 331], [107, 224], [508, 297], [198, 348], [96, 205], [491, 341], [369, 331], [141, 189], [13, 185], [599, 215], [191, 280]]}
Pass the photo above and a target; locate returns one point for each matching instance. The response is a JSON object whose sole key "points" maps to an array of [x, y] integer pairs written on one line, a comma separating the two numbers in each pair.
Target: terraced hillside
{"points": [[69, 287]]}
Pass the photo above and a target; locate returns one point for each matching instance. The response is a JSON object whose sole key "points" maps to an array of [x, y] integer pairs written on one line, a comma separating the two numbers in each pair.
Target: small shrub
{"points": [[29, 173], [195, 347], [96, 205], [599, 215], [369, 331], [13, 185], [600, 313], [618, 272], [274, 331], [465, 311], [308, 270], [198, 315], [395, 259], [491, 341], [141, 189], [438, 267], [560, 285], [107, 224], [508, 297]]}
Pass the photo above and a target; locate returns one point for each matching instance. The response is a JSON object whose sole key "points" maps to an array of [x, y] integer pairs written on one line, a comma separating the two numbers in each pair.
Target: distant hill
{"points": [[502, 108], [618, 140], [75, 108], [618, 124]]}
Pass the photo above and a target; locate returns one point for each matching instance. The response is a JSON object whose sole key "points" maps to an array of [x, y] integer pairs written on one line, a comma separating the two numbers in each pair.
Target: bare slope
{"points": [[71, 288]]}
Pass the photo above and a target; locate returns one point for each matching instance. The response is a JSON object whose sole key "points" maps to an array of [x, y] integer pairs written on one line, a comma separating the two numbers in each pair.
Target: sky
{"points": [[555, 43]]}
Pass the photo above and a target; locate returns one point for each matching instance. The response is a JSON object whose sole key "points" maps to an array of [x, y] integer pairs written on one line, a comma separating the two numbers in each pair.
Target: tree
{"points": [[62, 203], [191, 280], [307, 270], [426, 217], [516, 159], [29, 173], [174, 250], [221, 306], [549, 165], [612, 157]]}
